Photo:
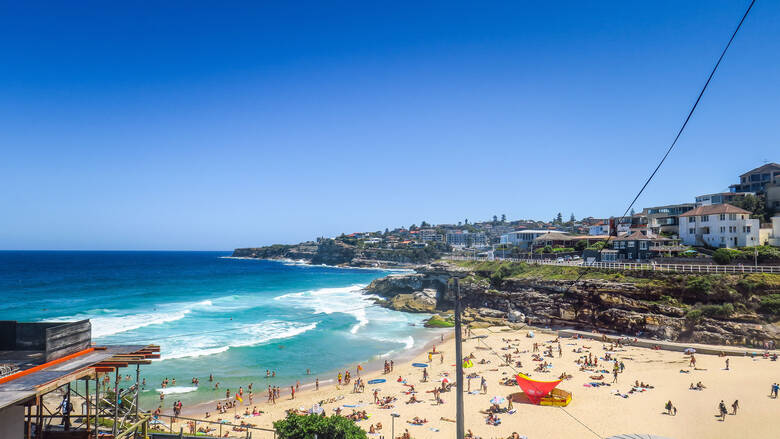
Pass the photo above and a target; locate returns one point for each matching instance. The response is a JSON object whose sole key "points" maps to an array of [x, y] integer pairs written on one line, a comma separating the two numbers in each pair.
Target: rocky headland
{"points": [[716, 309], [339, 253]]}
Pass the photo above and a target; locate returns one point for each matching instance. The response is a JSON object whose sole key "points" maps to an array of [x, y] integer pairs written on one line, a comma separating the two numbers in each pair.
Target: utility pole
{"points": [[458, 364]]}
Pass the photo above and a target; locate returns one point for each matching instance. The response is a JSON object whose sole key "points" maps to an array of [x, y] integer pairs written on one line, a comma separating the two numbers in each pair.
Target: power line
{"points": [[682, 128]]}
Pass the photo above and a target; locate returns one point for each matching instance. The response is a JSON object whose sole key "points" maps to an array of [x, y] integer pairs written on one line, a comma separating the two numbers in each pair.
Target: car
{"points": [[559, 260]]}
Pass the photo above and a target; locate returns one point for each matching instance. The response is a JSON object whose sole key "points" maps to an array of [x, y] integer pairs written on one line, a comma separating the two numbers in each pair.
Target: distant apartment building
{"points": [[522, 238], [720, 198], [462, 238], [430, 235], [758, 179], [719, 225], [666, 219]]}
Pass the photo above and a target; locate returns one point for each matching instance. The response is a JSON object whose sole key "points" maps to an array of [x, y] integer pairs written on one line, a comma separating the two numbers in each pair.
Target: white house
{"points": [[523, 238], [719, 225]]}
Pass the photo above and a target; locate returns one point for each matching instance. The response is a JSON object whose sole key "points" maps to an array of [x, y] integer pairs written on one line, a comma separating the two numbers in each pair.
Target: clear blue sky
{"points": [[173, 125]]}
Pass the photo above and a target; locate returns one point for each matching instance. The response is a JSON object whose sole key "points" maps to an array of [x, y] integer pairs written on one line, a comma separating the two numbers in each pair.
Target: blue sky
{"points": [[178, 125]]}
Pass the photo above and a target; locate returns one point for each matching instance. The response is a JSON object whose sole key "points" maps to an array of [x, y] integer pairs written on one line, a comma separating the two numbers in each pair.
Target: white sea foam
{"points": [[251, 335], [175, 389], [348, 300]]}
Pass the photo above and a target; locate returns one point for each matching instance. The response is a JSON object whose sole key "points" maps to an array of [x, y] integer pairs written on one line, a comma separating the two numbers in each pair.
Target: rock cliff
{"points": [[715, 309]]}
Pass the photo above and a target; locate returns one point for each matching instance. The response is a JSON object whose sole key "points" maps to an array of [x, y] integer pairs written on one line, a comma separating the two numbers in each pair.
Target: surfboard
{"points": [[419, 365], [376, 381]]}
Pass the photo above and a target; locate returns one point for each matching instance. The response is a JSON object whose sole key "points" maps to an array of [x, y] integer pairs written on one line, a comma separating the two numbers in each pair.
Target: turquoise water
{"points": [[211, 314]]}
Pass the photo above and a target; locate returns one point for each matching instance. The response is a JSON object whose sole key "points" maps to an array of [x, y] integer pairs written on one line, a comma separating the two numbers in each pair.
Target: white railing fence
{"points": [[678, 268]]}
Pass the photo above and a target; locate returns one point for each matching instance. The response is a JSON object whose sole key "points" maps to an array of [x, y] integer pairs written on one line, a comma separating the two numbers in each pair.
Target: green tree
{"points": [[571, 218], [466, 221], [495, 219], [722, 256], [387, 231], [753, 204], [306, 426], [633, 212], [581, 245], [503, 218], [424, 224], [559, 218]]}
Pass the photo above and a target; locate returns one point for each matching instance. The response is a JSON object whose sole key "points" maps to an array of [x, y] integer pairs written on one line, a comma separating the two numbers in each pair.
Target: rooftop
{"points": [[764, 168], [715, 209], [39, 357]]}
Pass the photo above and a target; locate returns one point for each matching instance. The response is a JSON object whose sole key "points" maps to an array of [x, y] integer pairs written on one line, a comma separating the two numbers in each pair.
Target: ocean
{"points": [[212, 314]]}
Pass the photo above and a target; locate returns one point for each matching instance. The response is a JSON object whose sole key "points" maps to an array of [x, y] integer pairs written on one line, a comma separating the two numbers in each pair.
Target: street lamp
{"points": [[392, 423]]}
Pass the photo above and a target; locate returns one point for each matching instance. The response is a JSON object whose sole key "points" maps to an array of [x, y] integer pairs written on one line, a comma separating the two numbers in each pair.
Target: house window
{"points": [[747, 229], [722, 216], [643, 245], [722, 229], [705, 218], [631, 244], [732, 216], [692, 231]]}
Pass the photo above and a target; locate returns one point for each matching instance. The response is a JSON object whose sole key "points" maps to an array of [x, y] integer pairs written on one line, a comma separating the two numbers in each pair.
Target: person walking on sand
{"points": [[292, 392], [317, 383], [693, 362], [773, 392], [727, 364], [723, 410], [734, 407]]}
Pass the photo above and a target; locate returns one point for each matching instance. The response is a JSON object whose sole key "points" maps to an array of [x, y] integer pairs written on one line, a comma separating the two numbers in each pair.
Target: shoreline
{"points": [[617, 408], [370, 367], [381, 265]]}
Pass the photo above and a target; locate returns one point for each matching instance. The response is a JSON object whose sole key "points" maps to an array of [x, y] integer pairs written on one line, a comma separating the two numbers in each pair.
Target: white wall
{"points": [[718, 238], [12, 422]]}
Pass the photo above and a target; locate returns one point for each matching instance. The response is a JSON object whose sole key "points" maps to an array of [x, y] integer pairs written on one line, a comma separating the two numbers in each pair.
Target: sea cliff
{"points": [[718, 309]]}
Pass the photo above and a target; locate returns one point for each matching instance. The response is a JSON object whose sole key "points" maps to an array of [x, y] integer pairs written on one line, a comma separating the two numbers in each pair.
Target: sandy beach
{"points": [[593, 412]]}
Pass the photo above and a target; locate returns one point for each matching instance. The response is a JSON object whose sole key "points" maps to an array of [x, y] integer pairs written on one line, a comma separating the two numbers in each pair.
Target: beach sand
{"points": [[593, 411]]}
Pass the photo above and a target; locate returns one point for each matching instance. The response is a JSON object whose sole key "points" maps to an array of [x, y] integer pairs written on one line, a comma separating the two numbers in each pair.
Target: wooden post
{"points": [[86, 396], [29, 422], [115, 427], [137, 387], [97, 404]]}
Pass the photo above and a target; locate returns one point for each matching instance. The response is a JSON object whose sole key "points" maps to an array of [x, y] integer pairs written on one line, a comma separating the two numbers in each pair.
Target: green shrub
{"points": [[438, 321], [305, 427], [723, 311], [693, 315], [698, 284], [724, 256], [598, 246], [770, 304]]}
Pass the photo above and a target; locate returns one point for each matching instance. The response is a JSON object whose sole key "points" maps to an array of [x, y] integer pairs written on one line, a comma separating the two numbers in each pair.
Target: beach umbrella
{"points": [[316, 409], [498, 400], [445, 380], [690, 351]]}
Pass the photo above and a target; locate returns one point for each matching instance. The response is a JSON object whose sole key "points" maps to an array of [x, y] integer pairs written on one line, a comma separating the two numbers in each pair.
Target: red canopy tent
{"points": [[535, 390]]}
